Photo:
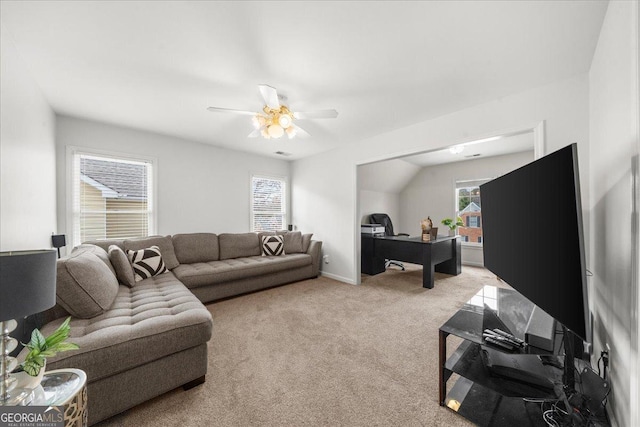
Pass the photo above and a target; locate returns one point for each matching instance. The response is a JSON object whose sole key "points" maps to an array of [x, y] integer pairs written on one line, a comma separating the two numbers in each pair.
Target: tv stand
{"points": [[490, 399]]}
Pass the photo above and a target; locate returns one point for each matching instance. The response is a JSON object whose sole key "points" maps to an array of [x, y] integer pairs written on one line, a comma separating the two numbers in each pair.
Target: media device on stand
{"points": [[533, 240]]}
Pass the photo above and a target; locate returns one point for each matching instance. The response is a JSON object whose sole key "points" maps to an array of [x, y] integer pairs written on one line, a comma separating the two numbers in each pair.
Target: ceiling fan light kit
{"points": [[276, 119]]}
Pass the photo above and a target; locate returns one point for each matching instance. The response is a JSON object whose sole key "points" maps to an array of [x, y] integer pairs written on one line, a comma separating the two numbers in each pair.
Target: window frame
{"points": [[285, 210], [467, 183], [72, 229]]}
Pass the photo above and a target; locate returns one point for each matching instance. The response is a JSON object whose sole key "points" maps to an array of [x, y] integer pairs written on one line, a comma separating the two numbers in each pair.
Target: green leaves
{"points": [[37, 339], [451, 224], [40, 347], [33, 365]]}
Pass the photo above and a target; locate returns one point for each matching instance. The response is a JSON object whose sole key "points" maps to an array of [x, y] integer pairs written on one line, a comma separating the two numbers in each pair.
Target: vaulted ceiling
{"points": [[157, 66]]}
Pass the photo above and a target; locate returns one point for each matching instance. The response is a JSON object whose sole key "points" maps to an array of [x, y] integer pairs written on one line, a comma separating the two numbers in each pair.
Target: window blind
{"points": [[111, 198], [268, 203]]}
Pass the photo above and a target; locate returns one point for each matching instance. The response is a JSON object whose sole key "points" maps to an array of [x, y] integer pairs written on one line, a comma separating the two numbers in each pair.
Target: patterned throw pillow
{"points": [[272, 245], [146, 263]]}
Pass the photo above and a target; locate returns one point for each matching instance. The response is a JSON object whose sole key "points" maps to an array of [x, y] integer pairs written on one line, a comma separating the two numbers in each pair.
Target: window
{"points": [[469, 209], [473, 220], [111, 197], [268, 203]]}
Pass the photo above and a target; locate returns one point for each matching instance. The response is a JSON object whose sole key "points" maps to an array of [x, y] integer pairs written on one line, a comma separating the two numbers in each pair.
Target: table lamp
{"points": [[27, 286]]}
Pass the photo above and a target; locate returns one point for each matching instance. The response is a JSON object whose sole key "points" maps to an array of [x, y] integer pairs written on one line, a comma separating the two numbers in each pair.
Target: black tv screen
{"points": [[533, 237]]}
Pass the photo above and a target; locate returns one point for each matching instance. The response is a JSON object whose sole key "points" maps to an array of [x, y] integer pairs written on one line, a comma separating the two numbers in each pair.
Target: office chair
{"points": [[384, 220]]}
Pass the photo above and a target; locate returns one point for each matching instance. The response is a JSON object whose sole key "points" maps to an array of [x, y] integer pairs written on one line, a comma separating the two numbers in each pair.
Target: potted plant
{"points": [[452, 224], [29, 373]]}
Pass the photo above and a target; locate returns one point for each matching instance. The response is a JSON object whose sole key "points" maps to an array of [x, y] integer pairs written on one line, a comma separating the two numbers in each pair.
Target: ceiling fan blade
{"points": [[300, 132], [255, 133], [229, 110], [320, 114], [270, 96]]}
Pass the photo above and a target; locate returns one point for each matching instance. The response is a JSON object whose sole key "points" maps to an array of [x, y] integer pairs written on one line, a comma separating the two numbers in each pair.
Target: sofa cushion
{"points": [[156, 318], [163, 242], [236, 245], [120, 262], [272, 245], [85, 286], [196, 247], [293, 242], [214, 272], [104, 244], [146, 263], [306, 242], [98, 251]]}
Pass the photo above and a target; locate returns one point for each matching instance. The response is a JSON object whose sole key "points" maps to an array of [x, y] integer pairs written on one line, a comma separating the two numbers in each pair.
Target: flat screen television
{"points": [[533, 236], [533, 240]]}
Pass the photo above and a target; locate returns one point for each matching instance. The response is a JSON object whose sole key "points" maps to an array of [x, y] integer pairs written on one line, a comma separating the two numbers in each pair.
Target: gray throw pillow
{"points": [[85, 286], [306, 241], [120, 262], [293, 242]]}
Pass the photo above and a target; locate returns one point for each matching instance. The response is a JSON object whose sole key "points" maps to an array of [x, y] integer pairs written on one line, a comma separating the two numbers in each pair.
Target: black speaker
{"points": [[58, 241]]}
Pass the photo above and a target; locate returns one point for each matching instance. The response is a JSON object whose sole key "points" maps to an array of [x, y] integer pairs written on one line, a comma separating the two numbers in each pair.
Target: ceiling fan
{"points": [[276, 119]]}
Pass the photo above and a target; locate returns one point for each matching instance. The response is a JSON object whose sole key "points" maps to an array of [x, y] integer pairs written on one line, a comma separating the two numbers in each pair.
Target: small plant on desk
{"points": [[453, 224]]}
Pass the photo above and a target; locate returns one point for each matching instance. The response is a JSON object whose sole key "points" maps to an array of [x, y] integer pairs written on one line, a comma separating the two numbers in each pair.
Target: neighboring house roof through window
{"points": [[115, 179], [471, 207]]}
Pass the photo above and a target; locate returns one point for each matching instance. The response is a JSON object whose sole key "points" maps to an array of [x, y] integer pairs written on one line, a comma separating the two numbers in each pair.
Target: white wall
{"points": [[379, 187], [27, 157], [324, 186], [432, 193], [201, 188], [379, 202], [614, 112]]}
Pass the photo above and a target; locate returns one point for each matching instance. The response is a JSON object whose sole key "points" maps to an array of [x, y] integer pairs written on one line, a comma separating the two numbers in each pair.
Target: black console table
{"points": [[486, 399], [441, 255]]}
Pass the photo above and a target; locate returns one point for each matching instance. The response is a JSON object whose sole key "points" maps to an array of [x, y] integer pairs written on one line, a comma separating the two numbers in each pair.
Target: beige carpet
{"points": [[323, 353]]}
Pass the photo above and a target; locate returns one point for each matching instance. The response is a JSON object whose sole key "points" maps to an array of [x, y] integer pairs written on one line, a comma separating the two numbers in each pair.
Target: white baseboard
{"points": [[336, 277], [473, 264]]}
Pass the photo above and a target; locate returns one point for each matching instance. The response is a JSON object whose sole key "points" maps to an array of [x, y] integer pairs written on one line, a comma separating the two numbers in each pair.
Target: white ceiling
{"points": [[392, 176], [383, 65], [471, 150]]}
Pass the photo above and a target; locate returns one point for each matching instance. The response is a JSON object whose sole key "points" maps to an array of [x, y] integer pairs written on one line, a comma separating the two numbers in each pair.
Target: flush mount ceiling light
{"points": [[275, 119]]}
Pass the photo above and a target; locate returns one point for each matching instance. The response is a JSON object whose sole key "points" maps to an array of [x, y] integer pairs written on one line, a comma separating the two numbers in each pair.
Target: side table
{"points": [[67, 388], [495, 401]]}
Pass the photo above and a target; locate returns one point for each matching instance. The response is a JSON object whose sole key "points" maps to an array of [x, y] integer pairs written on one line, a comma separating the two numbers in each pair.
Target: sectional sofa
{"points": [[139, 339]]}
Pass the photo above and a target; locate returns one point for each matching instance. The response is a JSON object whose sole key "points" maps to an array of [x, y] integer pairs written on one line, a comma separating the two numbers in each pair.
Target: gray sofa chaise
{"points": [[141, 339]]}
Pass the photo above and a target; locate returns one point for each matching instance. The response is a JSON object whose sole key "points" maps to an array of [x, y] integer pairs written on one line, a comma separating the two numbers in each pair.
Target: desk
{"points": [[441, 255]]}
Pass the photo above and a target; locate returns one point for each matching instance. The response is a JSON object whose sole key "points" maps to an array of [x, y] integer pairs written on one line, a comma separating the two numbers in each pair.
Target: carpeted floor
{"points": [[323, 353]]}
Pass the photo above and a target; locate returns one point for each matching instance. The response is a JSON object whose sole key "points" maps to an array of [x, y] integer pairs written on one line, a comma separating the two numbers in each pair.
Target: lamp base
{"points": [[18, 397], [7, 363]]}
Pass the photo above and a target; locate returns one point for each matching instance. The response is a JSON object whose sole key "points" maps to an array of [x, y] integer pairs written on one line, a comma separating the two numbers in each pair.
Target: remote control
{"points": [[509, 336], [503, 338], [502, 344]]}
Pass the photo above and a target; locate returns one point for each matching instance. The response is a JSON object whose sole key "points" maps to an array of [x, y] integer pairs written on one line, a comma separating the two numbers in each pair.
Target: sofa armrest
{"points": [[315, 249]]}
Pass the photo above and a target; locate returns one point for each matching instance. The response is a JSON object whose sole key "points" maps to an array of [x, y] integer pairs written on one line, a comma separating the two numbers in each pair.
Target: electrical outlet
{"points": [[326, 259]]}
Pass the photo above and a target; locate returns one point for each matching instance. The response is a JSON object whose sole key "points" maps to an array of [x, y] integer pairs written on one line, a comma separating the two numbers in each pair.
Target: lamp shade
{"points": [[27, 282]]}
